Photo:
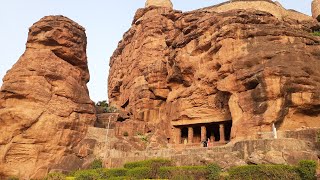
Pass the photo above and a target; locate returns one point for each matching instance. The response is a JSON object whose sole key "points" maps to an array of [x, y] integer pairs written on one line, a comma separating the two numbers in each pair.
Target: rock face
{"points": [[45, 108], [315, 9], [159, 3], [175, 69]]}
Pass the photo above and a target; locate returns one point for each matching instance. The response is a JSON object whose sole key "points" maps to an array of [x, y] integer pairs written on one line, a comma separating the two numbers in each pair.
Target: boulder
{"points": [[45, 109]]}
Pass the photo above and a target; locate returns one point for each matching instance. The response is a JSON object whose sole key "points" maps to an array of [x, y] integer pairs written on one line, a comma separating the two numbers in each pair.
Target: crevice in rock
{"points": [[125, 104], [252, 84]]}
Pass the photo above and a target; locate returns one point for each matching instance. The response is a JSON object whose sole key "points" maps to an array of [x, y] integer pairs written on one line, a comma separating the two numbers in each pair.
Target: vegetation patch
{"points": [[106, 107], [264, 172], [140, 173], [163, 169], [148, 163], [214, 172], [316, 33], [53, 176], [307, 169], [194, 172], [96, 164], [15, 178], [91, 174], [111, 173]]}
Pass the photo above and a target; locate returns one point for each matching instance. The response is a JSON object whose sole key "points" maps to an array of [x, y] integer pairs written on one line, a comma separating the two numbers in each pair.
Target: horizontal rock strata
{"points": [[179, 69]]}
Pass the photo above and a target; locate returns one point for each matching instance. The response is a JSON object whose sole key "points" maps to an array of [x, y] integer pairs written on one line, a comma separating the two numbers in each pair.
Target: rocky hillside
{"points": [[45, 108], [245, 65]]}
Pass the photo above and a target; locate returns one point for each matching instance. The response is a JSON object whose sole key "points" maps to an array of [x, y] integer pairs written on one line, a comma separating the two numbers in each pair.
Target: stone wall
{"points": [[268, 151], [303, 144]]}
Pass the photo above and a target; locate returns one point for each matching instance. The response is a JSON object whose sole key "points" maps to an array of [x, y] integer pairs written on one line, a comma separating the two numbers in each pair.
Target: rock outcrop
{"points": [[159, 3], [315, 7], [274, 8], [45, 109], [253, 67]]}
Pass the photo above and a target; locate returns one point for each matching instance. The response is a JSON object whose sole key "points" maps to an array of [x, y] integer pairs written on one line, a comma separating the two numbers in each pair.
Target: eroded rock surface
{"points": [[244, 65], [45, 108], [316, 9], [159, 3]]}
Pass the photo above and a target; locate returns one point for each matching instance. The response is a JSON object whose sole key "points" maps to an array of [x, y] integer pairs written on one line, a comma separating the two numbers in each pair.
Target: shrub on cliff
{"points": [[193, 172], [307, 169], [148, 163], [91, 174], [96, 164], [121, 178], [264, 172], [214, 171], [54, 176], [140, 173], [106, 107], [15, 178], [316, 33], [111, 173]]}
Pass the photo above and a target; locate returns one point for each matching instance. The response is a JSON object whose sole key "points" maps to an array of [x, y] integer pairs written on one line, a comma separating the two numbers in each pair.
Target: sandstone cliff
{"points": [[254, 67], [45, 108]]}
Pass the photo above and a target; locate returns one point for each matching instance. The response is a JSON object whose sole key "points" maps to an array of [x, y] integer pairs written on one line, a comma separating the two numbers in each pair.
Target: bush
{"points": [[264, 172], [148, 163], [316, 33], [70, 178], [87, 175], [106, 107], [307, 169], [194, 172], [108, 173], [182, 177], [14, 178], [96, 164], [214, 172], [140, 173], [120, 178], [53, 176]]}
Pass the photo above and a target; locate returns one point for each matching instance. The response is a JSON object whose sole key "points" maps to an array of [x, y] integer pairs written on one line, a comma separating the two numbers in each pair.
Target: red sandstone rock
{"points": [[173, 69], [45, 108]]}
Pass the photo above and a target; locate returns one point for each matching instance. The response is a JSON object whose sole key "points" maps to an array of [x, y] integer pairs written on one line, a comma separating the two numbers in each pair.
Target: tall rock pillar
{"points": [[45, 108]]}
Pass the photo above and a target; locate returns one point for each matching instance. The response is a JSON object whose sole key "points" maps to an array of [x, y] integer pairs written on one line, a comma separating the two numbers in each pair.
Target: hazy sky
{"points": [[105, 22]]}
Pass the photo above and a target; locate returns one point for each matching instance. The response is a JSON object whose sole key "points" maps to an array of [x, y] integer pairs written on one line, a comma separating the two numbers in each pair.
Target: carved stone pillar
{"points": [[190, 135], [221, 129], [178, 135], [203, 133]]}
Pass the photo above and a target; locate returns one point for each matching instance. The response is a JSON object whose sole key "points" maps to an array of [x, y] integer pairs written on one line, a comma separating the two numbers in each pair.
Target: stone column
{"points": [[190, 135], [315, 8], [221, 129], [178, 135], [203, 133]]}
